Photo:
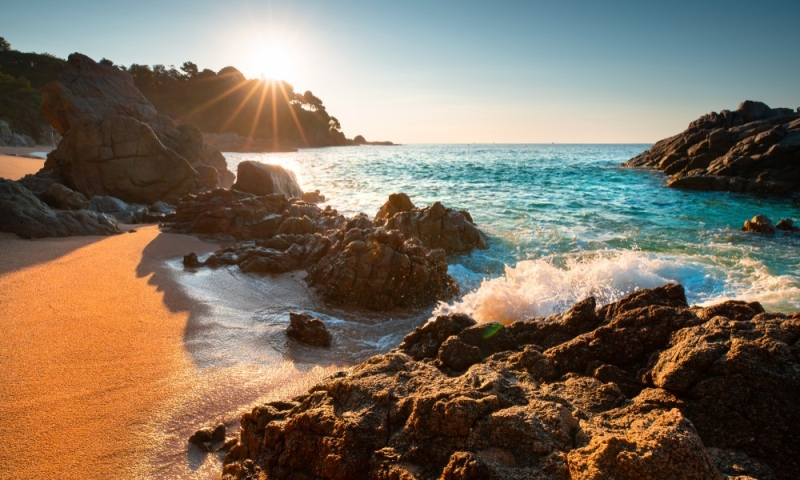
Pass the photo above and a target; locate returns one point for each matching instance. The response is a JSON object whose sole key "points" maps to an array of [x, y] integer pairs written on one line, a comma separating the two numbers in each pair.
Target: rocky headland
{"points": [[646, 387], [118, 159], [754, 149]]}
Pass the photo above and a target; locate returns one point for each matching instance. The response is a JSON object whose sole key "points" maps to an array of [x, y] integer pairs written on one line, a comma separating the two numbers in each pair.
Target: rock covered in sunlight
{"points": [[263, 179], [646, 387], [307, 329], [115, 143], [435, 226]]}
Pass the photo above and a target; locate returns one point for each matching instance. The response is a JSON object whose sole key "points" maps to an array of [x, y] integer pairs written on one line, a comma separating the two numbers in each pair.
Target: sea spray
{"points": [[540, 287]]}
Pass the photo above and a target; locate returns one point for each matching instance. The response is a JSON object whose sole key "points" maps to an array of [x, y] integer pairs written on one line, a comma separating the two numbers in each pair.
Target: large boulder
{"points": [[381, 270], [644, 388], [115, 143], [28, 217], [435, 226], [263, 179], [754, 149]]}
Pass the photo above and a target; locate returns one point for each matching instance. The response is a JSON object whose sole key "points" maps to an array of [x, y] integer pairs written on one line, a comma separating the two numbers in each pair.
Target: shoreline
{"points": [[105, 370]]}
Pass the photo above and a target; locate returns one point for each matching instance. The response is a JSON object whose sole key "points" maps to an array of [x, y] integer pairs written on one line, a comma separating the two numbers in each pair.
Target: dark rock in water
{"points": [[759, 224], [190, 260], [307, 329], [64, 198], [787, 225], [313, 197], [115, 143], [436, 226], [205, 438], [262, 179], [755, 149], [27, 216], [710, 391]]}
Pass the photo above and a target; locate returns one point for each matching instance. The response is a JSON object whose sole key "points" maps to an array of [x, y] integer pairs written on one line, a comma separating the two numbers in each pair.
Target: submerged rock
{"points": [[753, 149], [307, 329], [646, 387]]}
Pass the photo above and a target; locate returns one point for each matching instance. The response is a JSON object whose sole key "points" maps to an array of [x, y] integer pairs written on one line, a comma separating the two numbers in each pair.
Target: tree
{"points": [[106, 62], [4, 45], [190, 69]]}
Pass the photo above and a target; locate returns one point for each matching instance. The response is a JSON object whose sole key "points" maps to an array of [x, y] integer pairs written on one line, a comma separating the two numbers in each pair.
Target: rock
{"points": [[787, 225], [398, 202], [715, 395], [753, 150], [436, 226], [759, 224], [62, 197], [205, 438], [313, 197], [190, 260], [262, 179], [380, 270], [115, 143], [118, 209], [28, 217], [307, 329], [5, 132]]}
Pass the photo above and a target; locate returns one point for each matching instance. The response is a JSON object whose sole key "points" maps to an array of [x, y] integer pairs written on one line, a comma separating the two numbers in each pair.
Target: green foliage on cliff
{"points": [[21, 75], [226, 101], [217, 102]]}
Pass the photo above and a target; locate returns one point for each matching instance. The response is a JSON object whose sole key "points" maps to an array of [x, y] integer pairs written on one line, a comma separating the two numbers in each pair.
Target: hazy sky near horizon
{"points": [[459, 71]]}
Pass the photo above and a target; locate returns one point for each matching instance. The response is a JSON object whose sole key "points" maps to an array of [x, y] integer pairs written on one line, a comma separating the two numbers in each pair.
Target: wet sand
{"points": [[96, 379]]}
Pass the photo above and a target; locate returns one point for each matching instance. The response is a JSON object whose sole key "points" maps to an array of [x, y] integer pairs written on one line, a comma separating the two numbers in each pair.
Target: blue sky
{"points": [[461, 72]]}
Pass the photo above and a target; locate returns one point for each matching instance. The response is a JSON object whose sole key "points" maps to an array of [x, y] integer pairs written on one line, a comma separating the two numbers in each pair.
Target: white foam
{"points": [[539, 287]]}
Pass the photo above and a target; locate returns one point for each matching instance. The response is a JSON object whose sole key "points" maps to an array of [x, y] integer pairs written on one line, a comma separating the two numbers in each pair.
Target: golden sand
{"points": [[95, 379], [14, 168]]}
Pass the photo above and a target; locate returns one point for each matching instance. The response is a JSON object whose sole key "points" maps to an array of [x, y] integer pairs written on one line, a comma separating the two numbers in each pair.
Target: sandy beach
{"points": [[97, 379], [16, 162]]}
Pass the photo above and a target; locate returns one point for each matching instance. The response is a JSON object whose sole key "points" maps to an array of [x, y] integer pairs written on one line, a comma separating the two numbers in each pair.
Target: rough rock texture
{"points": [[759, 224], [262, 179], [644, 388], [64, 198], [754, 149], [28, 217], [350, 261], [436, 226], [307, 329], [115, 143]]}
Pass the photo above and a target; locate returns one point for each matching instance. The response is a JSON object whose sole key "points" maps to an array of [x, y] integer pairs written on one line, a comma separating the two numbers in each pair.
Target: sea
{"points": [[564, 222]]}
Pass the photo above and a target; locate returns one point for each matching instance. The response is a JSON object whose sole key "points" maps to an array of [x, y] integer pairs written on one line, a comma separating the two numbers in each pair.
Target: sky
{"points": [[458, 71]]}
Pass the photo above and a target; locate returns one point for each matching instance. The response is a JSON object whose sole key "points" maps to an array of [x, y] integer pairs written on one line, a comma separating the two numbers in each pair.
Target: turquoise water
{"points": [[566, 221]]}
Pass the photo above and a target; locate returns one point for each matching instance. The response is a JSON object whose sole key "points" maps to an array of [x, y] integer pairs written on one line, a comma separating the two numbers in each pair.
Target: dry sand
{"points": [[15, 162], [95, 378]]}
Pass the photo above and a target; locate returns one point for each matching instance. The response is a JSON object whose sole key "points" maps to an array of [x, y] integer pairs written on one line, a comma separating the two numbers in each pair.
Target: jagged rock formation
{"points": [[762, 224], [647, 387], [436, 226], [28, 217], [262, 179], [755, 149], [350, 261], [115, 143]]}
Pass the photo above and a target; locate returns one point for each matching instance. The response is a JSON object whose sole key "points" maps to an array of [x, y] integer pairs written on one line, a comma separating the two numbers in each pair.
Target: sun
{"points": [[271, 62]]}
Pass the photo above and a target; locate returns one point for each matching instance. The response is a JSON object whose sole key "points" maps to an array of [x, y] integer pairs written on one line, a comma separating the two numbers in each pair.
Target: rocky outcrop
{"points": [[115, 143], [755, 149], [436, 226], [644, 388], [28, 217], [263, 179], [306, 329], [10, 139], [350, 261], [762, 224]]}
